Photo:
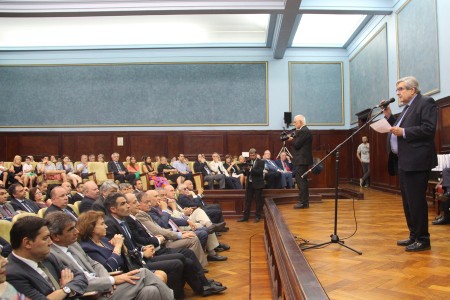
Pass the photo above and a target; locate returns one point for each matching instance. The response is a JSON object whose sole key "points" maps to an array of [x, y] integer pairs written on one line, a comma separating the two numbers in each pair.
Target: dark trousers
{"points": [[273, 179], [232, 183], [173, 265], [413, 186], [251, 192], [302, 183], [131, 178], [193, 271], [214, 212], [366, 171]]}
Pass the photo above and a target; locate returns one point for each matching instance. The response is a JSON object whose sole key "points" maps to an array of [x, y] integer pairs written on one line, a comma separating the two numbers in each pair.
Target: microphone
{"points": [[385, 103]]}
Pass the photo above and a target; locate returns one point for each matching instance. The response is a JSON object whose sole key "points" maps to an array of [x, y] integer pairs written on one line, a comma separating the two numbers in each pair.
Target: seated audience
{"points": [[213, 211], [7, 291], [147, 167], [78, 196], [35, 273], [287, 167], [5, 249], [133, 167], [3, 174], [18, 200], [29, 177], [182, 167], [91, 158], [108, 187], [90, 194], [166, 170], [138, 187], [151, 199], [54, 160], [37, 196], [201, 166], [444, 199], [118, 169], [101, 157], [58, 196], [15, 172], [68, 187], [136, 284], [272, 173], [82, 167], [125, 188], [232, 168], [7, 211], [67, 166], [217, 167], [49, 170], [43, 186]]}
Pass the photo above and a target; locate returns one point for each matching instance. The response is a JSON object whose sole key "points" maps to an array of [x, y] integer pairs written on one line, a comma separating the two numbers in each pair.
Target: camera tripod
{"points": [[284, 149]]}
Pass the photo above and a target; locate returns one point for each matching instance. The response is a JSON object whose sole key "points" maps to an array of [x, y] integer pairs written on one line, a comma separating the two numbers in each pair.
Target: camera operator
{"points": [[302, 154], [254, 171]]}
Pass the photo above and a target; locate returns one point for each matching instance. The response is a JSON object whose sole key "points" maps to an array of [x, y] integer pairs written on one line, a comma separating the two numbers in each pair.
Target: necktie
{"points": [[174, 226], [207, 170], [70, 214], [8, 213], [118, 167], [27, 207], [127, 233], [286, 167], [50, 277]]}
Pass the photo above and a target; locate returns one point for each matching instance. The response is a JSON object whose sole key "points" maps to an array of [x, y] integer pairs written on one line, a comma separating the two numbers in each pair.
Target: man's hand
{"points": [[126, 277], [290, 138], [163, 204], [66, 277], [192, 224], [387, 110], [398, 131], [149, 252], [188, 235], [187, 211]]}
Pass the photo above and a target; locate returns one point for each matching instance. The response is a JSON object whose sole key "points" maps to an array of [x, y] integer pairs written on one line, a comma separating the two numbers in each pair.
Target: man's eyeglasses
{"points": [[401, 89]]}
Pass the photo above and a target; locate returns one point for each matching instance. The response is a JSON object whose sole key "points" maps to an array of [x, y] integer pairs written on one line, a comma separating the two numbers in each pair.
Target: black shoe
{"points": [[441, 221], [213, 282], [242, 220], [219, 226], [222, 247], [212, 289], [225, 229], [218, 234], [257, 220], [417, 246], [216, 257], [406, 242], [211, 229], [301, 205]]}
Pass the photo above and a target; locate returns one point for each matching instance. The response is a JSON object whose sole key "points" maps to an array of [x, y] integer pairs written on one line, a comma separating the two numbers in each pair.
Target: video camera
{"points": [[286, 134]]}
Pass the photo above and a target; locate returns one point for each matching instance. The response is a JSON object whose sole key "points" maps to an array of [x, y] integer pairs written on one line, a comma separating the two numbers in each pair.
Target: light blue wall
{"points": [[278, 87]]}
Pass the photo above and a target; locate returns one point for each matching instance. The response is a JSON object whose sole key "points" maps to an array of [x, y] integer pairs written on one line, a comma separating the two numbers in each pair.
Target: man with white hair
{"points": [[302, 151]]}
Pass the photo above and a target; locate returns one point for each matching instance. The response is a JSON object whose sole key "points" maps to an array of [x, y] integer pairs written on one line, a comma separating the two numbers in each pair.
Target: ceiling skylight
{"points": [[148, 31], [326, 30]]}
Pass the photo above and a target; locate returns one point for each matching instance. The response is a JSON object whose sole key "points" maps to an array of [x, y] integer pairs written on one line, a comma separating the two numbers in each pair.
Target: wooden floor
{"points": [[384, 270]]}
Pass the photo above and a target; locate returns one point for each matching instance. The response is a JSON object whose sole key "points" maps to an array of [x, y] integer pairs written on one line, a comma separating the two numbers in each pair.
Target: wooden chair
{"points": [[76, 207], [5, 228]]}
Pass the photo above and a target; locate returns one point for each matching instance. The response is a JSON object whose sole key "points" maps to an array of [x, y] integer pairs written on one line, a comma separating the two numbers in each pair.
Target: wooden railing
{"points": [[291, 275]]}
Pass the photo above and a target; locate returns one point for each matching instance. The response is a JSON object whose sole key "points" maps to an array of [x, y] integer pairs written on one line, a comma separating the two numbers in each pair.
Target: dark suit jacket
{"points": [[139, 234], [10, 209], [53, 208], [302, 147], [86, 204], [417, 151], [104, 255], [162, 220], [98, 205], [200, 168], [189, 201], [77, 197], [113, 168], [257, 174], [18, 206], [279, 163], [115, 228], [6, 247], [28, 282]]}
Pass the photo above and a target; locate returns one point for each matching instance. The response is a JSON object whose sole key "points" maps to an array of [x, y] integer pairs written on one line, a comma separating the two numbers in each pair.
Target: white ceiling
{"points": [[275, 24]]}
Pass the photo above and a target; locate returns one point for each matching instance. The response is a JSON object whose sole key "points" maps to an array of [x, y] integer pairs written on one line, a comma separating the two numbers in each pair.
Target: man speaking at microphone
{"points": [[412, 155], [302, 153]]}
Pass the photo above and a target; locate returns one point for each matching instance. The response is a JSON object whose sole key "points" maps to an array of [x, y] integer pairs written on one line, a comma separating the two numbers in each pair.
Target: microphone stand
{"points": [[335, 152]]}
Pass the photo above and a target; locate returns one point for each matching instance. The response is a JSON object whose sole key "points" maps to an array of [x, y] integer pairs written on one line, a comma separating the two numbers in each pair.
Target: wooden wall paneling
{"points": [[204, 142], [151, 143], [257, 140], [443, 134], [38, 144], [233, 142], [12, 147], [89, 143], [2, 148]]}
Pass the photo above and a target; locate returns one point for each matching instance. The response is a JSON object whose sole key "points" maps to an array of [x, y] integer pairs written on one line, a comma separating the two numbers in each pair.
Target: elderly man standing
{"points": [[302, 152], [412, 156], [118, 169]]}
